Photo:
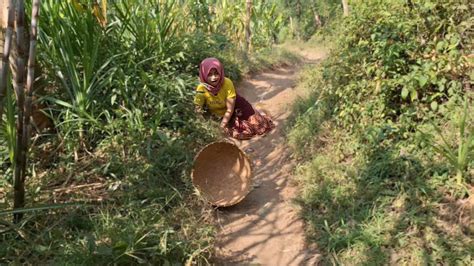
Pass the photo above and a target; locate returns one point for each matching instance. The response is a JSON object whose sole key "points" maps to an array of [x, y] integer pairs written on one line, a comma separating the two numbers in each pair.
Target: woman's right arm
{"points": [[230, 105]]}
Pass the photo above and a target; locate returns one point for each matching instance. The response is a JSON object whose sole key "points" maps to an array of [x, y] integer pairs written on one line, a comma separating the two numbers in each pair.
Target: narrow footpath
{"points": [[264, 228]]}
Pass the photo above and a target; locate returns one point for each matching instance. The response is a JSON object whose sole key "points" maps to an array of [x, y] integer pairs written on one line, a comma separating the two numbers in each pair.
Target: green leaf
{"points": [[120, 246], [442, 109], [422, 80], [40, 248], [434, 106], [113, 99], [414, 95]]}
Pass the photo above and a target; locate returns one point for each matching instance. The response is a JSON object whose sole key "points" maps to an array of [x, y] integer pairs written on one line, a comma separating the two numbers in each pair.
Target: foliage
{"points": [[227, 19], [389, 206], [75, 59], [411, 58], [141, 211], [117, 79], [460, 156], [300, 16], [8, 130], [7, 140], [375, 190]]}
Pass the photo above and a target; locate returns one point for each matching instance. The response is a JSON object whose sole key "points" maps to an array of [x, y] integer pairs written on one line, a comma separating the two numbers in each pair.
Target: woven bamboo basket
{"points": [[222, 173]]}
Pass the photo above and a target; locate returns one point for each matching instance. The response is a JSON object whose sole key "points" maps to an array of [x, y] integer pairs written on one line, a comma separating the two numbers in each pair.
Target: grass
{"points": [[386, 178], [119, 91], [370, 197], [383, 208], [135, 200], [137, 205], [265, 58]]}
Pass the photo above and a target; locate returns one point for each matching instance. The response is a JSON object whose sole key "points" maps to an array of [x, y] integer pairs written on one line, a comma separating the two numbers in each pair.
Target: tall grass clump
{"points": [[125, 134], [388, 127], [72, 52], [108, 182]]}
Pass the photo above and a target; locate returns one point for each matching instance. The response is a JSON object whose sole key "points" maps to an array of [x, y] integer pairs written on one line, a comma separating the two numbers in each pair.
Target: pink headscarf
{"points": [[204, 69]]}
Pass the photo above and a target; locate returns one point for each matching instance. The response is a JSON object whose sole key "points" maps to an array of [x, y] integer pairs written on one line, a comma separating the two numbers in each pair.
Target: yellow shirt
{"points": [[217, 103]]}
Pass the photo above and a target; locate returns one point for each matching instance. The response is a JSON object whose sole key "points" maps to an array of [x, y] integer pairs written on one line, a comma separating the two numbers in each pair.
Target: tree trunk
{"points": [[317, 18], [248, 33], [345, 7]]}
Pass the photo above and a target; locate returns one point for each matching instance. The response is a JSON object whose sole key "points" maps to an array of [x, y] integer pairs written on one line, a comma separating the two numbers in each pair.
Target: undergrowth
{"points": [[385, 139], [109, 182]]}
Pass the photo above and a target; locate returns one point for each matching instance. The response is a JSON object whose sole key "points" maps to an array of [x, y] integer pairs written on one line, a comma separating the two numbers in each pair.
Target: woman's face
{"points": [[213, 77]]}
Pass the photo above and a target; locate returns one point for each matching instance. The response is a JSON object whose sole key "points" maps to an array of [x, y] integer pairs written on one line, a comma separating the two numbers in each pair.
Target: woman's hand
{"points": [[223, 124], [224, 129]]}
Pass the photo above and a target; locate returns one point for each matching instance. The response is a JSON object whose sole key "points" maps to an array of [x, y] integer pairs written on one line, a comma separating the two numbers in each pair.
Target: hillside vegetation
{"points": [[389, 127], [384, 141], [115, 131]]}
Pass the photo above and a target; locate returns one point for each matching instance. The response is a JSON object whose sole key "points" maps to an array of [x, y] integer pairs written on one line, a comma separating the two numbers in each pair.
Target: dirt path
{"points": [[265, 228]]}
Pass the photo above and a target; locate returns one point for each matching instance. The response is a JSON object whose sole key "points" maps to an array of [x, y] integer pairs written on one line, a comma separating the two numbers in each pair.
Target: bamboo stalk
{"points": [[19, 179], [6, 54], [29, 85], [30, 75]]}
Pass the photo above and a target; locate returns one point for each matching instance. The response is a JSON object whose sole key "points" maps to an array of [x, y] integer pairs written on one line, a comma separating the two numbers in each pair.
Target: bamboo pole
{"points": [[6, 53], [29, 86], [19, 179]]}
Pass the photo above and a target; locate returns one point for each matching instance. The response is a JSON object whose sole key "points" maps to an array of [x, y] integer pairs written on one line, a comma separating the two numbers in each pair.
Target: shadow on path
{"points": [[265, 228]]}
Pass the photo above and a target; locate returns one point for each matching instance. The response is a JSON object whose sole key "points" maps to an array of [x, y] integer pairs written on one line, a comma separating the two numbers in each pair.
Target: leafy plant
{"points": [[8, 130], [118, 82], [71, 41], [460, 154], [371, 191]]}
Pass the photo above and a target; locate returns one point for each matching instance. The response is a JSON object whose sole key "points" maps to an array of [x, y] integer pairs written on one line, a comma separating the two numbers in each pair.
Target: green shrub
{"points": [[398, 63], [375, 190]]}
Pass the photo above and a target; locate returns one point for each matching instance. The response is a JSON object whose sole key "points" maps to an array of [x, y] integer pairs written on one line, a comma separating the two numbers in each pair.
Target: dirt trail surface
{"points": [[264, 228]]}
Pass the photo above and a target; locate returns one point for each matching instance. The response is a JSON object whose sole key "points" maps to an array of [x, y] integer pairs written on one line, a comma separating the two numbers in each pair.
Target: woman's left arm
{"points": [[230, 103]]}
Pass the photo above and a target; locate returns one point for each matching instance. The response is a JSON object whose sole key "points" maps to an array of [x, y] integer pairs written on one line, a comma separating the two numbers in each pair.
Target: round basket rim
{"points": [[250, 178]]}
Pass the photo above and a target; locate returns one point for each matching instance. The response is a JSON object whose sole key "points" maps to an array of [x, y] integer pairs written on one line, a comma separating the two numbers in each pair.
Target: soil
{"points": [[265, 228]]}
